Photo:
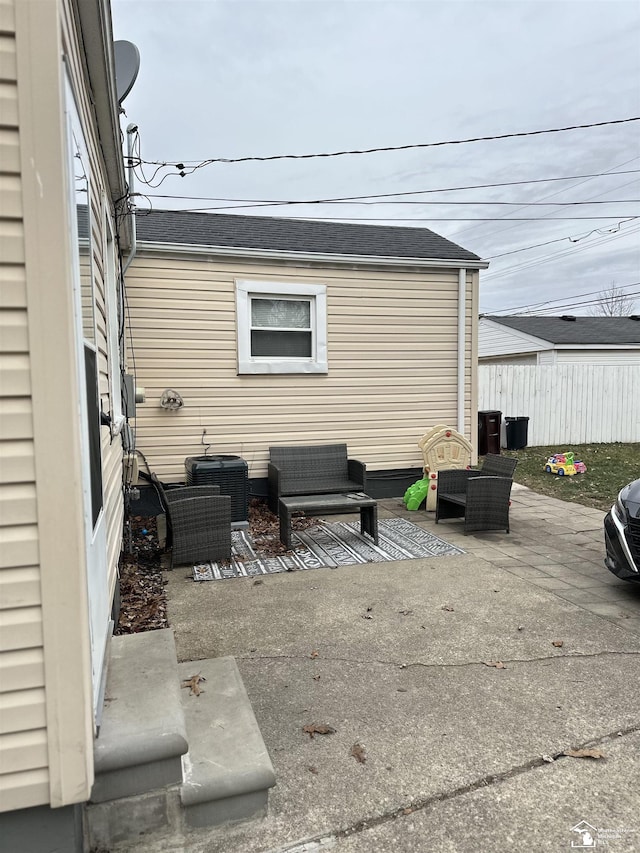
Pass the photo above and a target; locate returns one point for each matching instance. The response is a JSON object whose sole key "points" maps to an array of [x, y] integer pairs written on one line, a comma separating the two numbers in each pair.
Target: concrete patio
{"points": [[400, 659], [556, 545]]}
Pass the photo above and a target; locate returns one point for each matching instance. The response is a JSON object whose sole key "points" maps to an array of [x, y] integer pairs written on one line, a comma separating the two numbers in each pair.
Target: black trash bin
{"points": [[489, 432], [517, 433]]}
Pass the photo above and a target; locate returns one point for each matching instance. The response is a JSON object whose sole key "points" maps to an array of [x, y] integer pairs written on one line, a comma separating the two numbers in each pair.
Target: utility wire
{"points": [[586, 304], [429, 218], [534, 262], [277, 201], [199, 164], [562, 239], [553, 195], [532, 306], [412, 201]]}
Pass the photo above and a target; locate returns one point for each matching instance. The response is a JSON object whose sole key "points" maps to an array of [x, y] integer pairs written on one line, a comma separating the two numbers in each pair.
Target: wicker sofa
{"points": [[198, 522], [313, 470], [481, 496]]}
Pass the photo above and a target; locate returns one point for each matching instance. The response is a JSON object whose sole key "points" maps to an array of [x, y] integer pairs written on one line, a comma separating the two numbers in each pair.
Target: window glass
{"points": [[281, 313]]}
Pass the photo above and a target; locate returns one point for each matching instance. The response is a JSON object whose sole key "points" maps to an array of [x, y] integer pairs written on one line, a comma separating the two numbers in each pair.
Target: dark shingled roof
{"points": [[296, 235], [582, 330]]}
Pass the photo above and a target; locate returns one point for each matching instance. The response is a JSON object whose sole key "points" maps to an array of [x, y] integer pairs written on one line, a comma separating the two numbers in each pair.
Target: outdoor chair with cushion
{"points": [[481, 496], [198, 522], [313, 470]]}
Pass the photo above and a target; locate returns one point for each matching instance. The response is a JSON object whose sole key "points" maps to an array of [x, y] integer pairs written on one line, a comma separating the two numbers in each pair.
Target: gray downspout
{"points": [[462, 317], [131, 129]]}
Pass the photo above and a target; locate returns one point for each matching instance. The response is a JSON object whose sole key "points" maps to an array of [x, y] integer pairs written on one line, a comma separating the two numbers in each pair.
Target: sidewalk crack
{"points": [[327, 839], [460, 664]]}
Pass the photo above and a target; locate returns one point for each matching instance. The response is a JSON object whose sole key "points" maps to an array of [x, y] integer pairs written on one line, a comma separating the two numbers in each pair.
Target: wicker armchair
{"points": [[481, 496], [313, 470], [198, 522]]}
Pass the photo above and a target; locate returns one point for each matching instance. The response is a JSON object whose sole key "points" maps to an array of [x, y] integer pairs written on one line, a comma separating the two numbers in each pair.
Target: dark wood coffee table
{"points": [[329, 504]]}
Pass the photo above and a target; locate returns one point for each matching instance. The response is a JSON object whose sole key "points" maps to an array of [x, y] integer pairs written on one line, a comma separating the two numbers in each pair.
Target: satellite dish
{"points": [[127, 61]]}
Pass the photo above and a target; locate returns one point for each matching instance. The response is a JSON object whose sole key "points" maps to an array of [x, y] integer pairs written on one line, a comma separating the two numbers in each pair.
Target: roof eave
{"points": [[320, 257], [598, 346], [95, 23]]}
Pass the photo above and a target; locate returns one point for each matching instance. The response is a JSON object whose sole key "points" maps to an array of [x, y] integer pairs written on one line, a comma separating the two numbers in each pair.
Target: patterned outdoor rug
{"points": [[329, 545]]}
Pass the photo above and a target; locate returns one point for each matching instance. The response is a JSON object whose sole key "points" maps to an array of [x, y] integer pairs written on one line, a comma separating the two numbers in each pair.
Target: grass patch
{"points": [[609, 468]]}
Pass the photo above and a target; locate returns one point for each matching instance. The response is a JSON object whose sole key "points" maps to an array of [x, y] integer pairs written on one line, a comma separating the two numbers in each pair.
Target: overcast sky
{"points": [[233, 78]]}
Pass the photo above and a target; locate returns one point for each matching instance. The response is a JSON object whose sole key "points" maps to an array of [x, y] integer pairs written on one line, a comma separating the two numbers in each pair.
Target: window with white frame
{"points": [[113, 291], [282, 327]]}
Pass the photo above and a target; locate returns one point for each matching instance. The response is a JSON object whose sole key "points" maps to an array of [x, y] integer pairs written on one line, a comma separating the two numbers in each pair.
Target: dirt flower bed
{"points": [[142, 584]]}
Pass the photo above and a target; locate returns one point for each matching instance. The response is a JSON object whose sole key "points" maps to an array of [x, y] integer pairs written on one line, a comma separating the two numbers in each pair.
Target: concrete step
{"points": [[227, 771], [143, 734]]}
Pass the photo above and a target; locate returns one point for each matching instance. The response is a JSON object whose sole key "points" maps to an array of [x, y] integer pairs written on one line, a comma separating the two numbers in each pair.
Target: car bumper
{"points": [[619, 559]]}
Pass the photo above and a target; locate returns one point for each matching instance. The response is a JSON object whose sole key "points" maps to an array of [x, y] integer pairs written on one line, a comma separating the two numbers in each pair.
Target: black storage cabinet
{"points": [[231, 473], [489, 423], [517, 433]]}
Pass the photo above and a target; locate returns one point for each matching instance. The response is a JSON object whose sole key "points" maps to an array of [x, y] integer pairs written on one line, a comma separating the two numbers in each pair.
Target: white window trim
{"points": [[111, 286], [262, 364]]}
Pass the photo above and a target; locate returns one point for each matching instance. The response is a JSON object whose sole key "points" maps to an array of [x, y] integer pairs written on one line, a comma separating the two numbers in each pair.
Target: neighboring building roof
{"points": [[296, 235], [582, 330]]}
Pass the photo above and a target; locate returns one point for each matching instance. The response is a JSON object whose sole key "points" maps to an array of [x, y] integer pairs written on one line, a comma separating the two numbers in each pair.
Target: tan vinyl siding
{"points": [[23, 752], [24, 789], [35, 690], [111, 449], [392, 349]]}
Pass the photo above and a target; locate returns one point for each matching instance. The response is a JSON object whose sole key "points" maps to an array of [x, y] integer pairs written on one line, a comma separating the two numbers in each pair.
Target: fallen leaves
{"points": [[142, 585], [264, 528], [318, 729], [357, 750], [558, 644], [495, 663], [584, 753], [194, 683]]}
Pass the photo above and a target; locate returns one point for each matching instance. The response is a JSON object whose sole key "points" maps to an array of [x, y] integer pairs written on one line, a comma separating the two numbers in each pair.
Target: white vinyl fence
{"points": [[566, 403]]}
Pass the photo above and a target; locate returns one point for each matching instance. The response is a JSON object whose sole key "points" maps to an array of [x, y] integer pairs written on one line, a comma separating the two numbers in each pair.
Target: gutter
{"points": [[319, 257], [462, 316], [98, 42]]}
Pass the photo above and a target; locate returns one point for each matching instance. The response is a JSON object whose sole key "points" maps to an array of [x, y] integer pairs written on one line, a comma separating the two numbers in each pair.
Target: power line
{"points": [[412, 201], [417, 219], [553, 195], [587, 303], [534, 262], [276, 201], [420, 145], [535, 305], [562, 239]]}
